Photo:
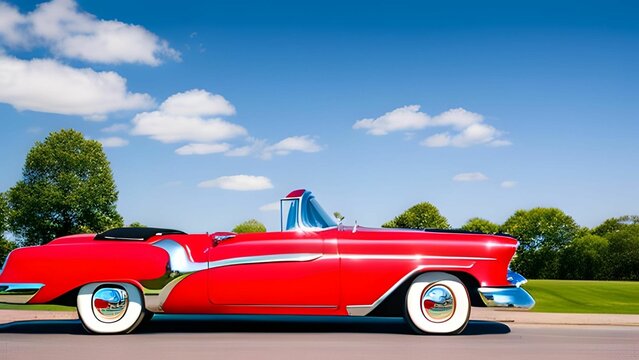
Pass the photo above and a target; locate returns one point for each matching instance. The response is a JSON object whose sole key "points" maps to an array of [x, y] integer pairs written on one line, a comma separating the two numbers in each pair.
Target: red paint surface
{"points": [[296, 193], [354, 268]]}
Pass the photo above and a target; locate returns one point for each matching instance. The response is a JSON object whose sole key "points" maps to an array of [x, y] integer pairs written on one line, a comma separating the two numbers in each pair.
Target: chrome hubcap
{"points": [[438, 303], [110, 304]]}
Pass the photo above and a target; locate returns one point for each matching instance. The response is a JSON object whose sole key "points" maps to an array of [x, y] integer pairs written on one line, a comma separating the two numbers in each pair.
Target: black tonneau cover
{"points": [[134, 233]]}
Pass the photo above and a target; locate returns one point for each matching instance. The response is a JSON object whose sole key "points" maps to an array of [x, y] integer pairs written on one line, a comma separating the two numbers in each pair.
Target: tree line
{"points": [[67, 187], [551, 244]]}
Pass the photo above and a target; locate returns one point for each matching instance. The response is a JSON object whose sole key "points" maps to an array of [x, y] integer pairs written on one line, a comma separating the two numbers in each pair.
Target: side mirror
{"points": [[218, 237]]}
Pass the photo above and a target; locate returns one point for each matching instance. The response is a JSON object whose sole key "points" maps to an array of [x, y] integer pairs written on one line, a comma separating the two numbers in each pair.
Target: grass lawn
{"points": [[575, 296], [36, 307], [560, 296]]}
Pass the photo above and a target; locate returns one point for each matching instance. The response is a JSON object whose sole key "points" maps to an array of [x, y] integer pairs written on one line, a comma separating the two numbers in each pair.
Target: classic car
{"points": [[313, 266]]}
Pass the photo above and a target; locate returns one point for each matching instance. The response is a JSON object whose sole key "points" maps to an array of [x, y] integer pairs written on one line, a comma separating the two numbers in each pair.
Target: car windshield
{"points": [[308, 214], [289, 207], [314, 215]]}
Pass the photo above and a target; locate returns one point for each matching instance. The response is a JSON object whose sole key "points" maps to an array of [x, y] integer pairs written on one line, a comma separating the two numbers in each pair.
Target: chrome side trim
{"points": [[511, 297], [122, 238], [261, 259], [363, 310], [180, 265], [18, 293], [410, 257], [179, 259]]}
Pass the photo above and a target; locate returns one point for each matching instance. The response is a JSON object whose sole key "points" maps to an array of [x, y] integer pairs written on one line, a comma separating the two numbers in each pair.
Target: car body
{"points": [[313, 266]]}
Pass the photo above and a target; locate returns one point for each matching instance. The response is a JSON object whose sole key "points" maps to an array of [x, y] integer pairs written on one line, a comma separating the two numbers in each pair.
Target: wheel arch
{"points": [[393, 305]]}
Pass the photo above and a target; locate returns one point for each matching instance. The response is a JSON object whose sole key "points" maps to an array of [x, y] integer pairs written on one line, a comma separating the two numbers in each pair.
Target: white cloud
{"points": [[238, 183], [458, 118], [197, 102], [469, 127], [475, 134], [115, 128], [202, 149], [241, 151], [401, 119], [193, 116], [113, 142], [294, 143], [11, 22], [48, 86], [255, 146], [169, 128], [437, 140], [508, 184], [71, 33], [474, 176], [274, 206], [261, 149], [176, 122]]}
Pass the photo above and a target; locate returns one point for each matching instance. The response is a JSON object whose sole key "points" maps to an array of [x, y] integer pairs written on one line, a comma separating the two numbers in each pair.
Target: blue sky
{"points": [[480, 108]]}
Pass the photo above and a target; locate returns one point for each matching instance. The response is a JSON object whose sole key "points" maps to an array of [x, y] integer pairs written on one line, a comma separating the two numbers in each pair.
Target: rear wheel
{"points": [[437, 303], [110, 308]]}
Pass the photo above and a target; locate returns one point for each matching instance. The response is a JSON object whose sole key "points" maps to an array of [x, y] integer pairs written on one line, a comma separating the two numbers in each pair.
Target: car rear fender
{"points": [[66, 267]]}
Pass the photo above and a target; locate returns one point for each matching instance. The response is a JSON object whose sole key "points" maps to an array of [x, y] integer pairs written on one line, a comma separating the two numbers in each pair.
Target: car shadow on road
{"points": [[252, 324]]}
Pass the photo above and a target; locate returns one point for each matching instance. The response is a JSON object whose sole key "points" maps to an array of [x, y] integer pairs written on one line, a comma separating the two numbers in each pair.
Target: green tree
{"points": [[136, 224], [67, 187], [542, 234], [250, 226], [585, 258], [624, 253], [4, 213], [480, 225], [615, 224], [5, 245], [5, 248], [421, 216]]}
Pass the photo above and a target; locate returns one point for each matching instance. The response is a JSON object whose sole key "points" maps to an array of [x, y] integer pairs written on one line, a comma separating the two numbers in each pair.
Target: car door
{"points": [[281, 269]]}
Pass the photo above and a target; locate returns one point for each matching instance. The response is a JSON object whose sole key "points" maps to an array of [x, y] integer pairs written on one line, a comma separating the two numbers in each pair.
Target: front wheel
{"points": [[437, 303], [110, 308]]}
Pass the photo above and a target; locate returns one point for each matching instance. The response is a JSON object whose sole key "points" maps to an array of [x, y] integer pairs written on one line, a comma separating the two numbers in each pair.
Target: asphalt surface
{"points": [[245, 337]]}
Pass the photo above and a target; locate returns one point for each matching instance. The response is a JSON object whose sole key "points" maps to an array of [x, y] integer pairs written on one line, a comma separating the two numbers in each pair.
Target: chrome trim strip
{"points": [[18, 293], [179, 259], [122, 238], [363, 310], [181, 265], [511, 297], [261, 259], [410, 257]]}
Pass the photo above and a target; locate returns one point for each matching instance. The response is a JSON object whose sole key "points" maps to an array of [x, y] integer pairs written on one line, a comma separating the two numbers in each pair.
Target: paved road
{"points": [[288, 338]]}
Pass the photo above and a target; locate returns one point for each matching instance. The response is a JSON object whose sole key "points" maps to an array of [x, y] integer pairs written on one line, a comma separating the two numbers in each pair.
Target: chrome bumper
{"points": [[512, 297], [18, 293]]}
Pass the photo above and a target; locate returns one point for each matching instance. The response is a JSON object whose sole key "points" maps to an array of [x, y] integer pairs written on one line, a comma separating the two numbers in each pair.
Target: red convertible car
{"points": [[313, 266]]}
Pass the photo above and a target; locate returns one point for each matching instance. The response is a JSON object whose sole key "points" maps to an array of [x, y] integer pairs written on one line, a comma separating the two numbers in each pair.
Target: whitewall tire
{"points": [[437, 303], [110, 308]]}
